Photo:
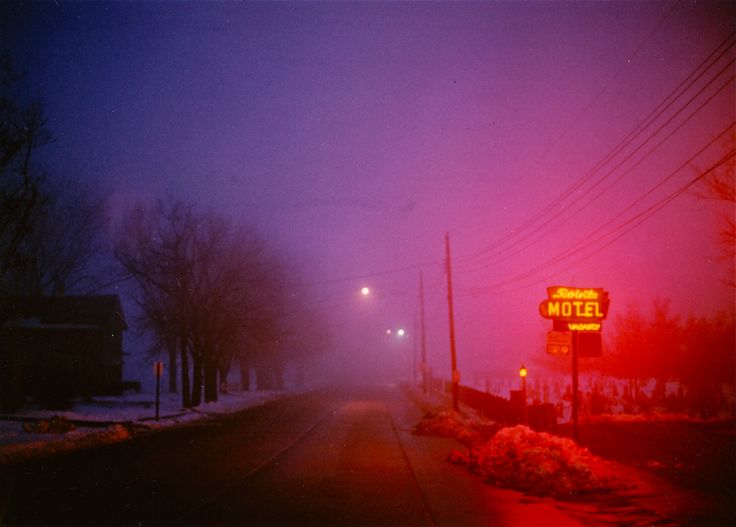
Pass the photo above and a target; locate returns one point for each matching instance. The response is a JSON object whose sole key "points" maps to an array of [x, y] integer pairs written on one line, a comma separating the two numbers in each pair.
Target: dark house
{"points": [[56, 348]]}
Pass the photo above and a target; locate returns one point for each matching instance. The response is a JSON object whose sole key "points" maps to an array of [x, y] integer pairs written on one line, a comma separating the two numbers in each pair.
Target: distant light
{"points": [[522, 372], [401, 332], [365, 291], [388, 332]]}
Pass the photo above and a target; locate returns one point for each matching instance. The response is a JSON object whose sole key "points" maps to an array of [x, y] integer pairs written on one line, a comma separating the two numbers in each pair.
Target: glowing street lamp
{"points": [[365, 291], [523, 373], [401, 332]]}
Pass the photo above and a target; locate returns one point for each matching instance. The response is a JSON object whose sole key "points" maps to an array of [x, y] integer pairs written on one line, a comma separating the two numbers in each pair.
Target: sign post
{"points": [[575, 394], [577, 315], [159, 370]]}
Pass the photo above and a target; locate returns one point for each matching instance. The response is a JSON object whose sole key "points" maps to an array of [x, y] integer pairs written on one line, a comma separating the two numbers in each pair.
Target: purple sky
{"points": [[354, 135]]}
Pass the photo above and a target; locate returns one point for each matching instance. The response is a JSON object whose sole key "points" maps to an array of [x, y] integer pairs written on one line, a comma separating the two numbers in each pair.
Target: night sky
{"points": [[352, 136]]}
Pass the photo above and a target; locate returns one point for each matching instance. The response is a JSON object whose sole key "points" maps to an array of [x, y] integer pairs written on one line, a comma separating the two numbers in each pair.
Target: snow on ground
{"points": [[647, 417], [520, 458], [461, 426], [538, 463], [107, 420]]}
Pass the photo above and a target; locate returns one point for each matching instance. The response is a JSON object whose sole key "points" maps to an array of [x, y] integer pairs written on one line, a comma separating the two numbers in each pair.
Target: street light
{"points": [[523, 373], [401, 332], [365, 291]]}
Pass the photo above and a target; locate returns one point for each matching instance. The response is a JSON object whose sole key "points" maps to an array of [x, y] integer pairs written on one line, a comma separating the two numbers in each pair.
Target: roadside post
{"points": [[523, 373], [577, 316], [159, 366]]}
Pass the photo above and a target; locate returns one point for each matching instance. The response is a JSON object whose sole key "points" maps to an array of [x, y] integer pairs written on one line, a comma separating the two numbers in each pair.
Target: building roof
{"points": [[102, 311]]}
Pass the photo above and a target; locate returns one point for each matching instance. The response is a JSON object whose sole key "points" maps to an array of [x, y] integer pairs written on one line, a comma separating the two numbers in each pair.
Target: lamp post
{"points": [[523, 372]]}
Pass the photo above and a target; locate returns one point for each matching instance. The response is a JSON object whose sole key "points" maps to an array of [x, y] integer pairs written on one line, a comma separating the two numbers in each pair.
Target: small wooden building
{"points": [[56, 348]]}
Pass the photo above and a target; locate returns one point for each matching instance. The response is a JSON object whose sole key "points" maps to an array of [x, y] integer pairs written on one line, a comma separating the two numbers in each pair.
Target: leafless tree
{"points": [[49, 233], [22, 132], [240, 291], [58, 253], [154, 249], [201, 283], [720, 185]]}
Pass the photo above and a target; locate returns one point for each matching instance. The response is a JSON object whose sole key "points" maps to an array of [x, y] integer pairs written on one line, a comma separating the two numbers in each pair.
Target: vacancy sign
{"points": [[574, 308], [577, 315]]}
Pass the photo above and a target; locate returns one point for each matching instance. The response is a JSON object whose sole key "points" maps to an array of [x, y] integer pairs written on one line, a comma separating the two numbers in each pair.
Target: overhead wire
{"points": [[645, 123], [584, 243], [638, 219], [572, 212], [586, 109], [498, 248], [357, 277]]}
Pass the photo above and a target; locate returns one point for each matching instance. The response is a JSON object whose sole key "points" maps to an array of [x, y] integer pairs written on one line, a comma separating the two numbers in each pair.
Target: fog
{"points": [[352, 137]]}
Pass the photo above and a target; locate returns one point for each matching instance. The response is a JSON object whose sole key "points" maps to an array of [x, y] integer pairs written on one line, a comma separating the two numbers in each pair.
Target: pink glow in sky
{"points": [[355, 135]]}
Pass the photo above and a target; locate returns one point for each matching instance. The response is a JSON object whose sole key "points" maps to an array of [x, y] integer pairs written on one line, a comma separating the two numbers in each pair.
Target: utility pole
{"points": [[423, 348], [575, 397], [415, 330], [453, 358]]}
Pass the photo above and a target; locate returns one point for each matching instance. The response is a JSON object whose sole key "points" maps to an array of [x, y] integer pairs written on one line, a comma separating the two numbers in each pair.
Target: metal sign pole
{"points": [[159, 367], [575, 385]]}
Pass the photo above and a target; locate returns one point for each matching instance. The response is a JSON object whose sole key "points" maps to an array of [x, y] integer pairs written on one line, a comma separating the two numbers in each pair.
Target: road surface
{"points": [[329, 458]]}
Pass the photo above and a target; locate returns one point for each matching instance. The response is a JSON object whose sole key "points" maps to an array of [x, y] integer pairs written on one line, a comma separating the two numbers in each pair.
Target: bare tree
{"points": [[58, 253], [154, 248], [49, 233], [22, 132], [720, 185], [239, 291], [202, 283]]}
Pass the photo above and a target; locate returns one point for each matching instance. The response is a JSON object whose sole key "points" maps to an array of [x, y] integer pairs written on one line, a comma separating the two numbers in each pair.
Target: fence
{"points": [[499, 409]]}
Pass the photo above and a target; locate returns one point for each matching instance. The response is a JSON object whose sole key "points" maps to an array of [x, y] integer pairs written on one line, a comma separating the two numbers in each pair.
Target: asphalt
{"points": [[363, 466], [327, 458]]}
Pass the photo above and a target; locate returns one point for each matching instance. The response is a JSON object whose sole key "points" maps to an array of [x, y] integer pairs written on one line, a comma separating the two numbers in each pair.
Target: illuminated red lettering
{"points": [[588, 326]]}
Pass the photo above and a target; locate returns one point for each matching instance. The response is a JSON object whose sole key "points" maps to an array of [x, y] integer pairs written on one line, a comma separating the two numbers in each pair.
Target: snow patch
{"points": [[105, 420], [449, 423], [62, 442], [538, 463]]}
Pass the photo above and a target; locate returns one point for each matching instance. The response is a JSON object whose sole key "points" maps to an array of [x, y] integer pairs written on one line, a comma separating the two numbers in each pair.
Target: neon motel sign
{"points": [[575, 309]]}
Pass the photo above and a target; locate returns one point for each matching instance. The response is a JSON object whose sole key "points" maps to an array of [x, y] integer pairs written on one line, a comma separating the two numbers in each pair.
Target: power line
{"points": [[354, 278], [539, 232], [644, 215], [585, 110], [645, 123], [621, 229]]}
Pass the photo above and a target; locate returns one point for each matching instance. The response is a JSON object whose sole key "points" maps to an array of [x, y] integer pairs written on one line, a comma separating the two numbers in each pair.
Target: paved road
{"points": [[328, 458]]}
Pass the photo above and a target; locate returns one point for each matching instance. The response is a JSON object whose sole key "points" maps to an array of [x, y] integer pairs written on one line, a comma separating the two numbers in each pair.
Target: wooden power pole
{"points": [[453, 357], [423, 348]]}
